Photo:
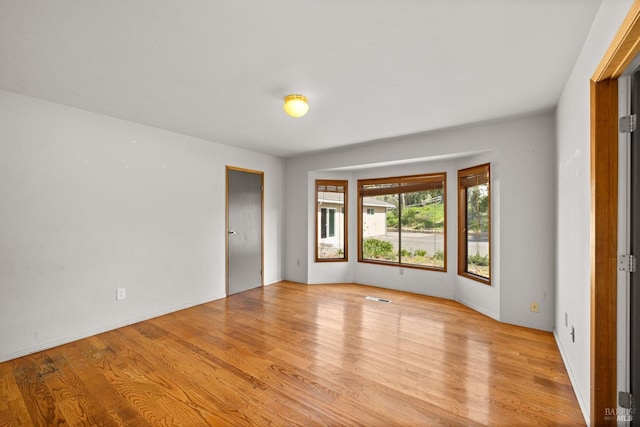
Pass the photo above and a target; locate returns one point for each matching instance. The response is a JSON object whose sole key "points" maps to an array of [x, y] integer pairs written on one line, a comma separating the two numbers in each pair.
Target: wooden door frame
{"points": [[604, 215], [226, 222]]}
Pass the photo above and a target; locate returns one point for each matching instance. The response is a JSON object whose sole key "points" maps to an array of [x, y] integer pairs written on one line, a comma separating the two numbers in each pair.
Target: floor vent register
{"points": [[370, 298]]}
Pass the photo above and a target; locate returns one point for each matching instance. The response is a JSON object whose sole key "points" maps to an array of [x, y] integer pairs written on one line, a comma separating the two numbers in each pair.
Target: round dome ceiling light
{"points": [[296, 105]]}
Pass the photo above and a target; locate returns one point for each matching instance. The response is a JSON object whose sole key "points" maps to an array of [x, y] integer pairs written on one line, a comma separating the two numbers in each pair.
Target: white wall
{"points": [[573, 189], [522, 156], [90, 203]]}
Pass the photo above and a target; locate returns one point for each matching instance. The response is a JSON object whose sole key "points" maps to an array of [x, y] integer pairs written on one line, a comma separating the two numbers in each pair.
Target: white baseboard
{"points": [[584, 406], [533, 325], [479, 309], [106, 328]]}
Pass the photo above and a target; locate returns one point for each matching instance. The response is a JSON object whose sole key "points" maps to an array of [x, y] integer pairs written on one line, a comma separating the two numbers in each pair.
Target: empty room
{"points": [[381, 212]]}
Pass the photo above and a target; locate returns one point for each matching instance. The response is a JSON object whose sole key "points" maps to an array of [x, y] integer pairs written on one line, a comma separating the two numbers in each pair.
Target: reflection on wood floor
{"points": [[291, 354]]}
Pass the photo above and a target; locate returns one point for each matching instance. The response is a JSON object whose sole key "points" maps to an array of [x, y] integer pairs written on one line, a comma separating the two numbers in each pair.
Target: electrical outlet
{"points": [[121, 293], [566, 320], [401, 271], [534, 307]]}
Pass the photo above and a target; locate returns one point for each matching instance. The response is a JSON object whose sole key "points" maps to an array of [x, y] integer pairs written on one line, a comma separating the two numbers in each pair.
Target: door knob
{"points": [[232, 232]]}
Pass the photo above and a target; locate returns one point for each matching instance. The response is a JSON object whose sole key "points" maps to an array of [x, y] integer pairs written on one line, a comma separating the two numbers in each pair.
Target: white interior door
{"points": [[634, 288], [628, 294], [244, 230]]}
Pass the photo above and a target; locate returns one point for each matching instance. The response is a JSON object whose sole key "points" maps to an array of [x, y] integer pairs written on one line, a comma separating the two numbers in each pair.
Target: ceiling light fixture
{"points": [[296, 105]]}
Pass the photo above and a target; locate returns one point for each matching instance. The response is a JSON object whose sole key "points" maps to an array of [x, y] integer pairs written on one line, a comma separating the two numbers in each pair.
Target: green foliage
{"points": [[423, 217], [381, 250], [478, 208], [422, 210], [478, 259], [375, 248], [418, 217], [392, 218]]}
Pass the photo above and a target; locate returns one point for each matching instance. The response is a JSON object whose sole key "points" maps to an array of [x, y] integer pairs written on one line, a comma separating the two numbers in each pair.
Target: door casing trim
{"points": [[604, 215]]}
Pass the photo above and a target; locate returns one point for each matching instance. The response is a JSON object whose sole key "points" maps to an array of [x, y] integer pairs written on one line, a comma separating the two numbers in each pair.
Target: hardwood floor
{"points": [[290, 354]]}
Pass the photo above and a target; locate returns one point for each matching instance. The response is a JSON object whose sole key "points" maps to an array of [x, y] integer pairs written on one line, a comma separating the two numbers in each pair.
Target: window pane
{"points": [[413, 208], [332, 222], [380, 238], [323, 223], [474, 215], [422, 228], [331, 198], [478, 230]]}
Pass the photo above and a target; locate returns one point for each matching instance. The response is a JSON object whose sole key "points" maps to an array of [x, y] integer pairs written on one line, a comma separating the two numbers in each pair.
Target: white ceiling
{"points": [[218, 70]]}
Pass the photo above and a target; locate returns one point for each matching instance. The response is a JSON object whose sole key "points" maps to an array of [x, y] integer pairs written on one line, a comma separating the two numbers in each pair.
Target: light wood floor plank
{"points": [[291, 354]]}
